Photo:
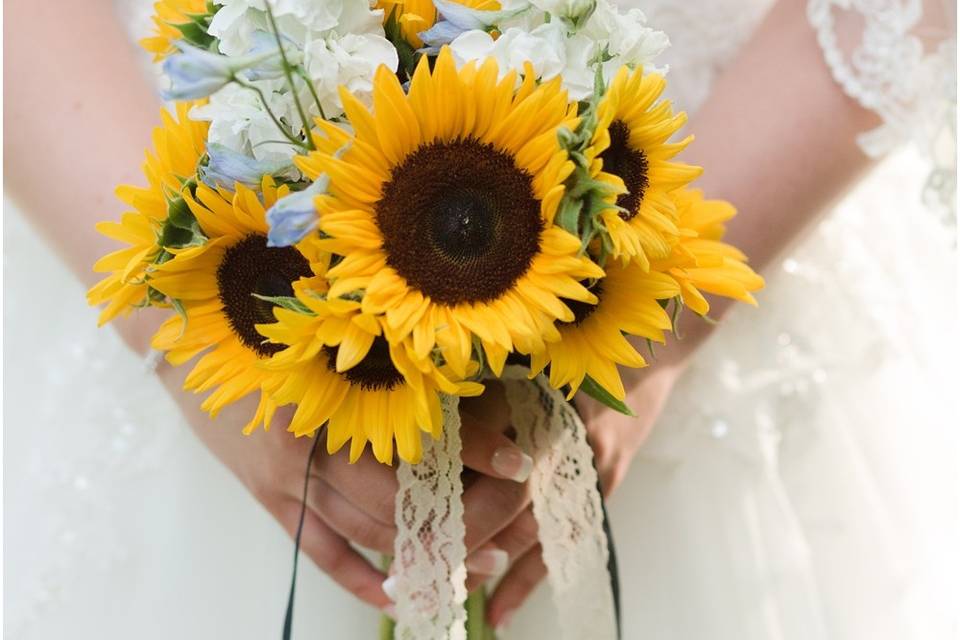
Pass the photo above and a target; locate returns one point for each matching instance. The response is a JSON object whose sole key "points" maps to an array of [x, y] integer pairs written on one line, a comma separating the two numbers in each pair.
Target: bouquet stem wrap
{"points": [[566, 504], [429, 552]]}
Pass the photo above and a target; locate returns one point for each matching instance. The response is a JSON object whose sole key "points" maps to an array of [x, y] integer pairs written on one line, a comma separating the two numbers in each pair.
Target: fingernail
{"points": [[389, 587], [504, 622], [511, 462], [488, 562], [390, 610]]}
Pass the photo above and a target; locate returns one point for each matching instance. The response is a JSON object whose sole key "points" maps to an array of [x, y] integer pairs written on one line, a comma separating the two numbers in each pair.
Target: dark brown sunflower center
{"points": [[460, 221], [629, 165], [375, 372], [583, 310], [251, 267]]}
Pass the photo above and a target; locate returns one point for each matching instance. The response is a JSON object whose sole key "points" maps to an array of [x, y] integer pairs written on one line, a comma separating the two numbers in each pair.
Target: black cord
{"points": [[288, 619]]}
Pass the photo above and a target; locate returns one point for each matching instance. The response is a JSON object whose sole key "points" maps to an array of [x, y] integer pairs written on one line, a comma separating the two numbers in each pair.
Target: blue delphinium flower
{"points": [[295, 216]]}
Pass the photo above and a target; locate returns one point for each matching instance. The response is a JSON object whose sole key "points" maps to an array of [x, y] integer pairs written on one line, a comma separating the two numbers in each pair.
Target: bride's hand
{"points": [[353, 504], [615, 439]]}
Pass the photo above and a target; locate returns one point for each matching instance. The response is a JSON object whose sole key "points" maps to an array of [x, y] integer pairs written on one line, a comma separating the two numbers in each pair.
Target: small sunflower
{"points": [[169, 19], [179, 143], [595, 341], [442, 207], [217, 286], [630, 149], [700, 262], [416, 16], [340, 371]]}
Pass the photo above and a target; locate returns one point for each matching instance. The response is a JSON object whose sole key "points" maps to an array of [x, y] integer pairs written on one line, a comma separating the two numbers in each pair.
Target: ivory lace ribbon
{"points": [[429, 549]]}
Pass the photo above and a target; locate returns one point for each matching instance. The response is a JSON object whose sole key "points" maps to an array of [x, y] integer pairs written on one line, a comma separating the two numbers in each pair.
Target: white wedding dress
{"points": [[802, 483]]}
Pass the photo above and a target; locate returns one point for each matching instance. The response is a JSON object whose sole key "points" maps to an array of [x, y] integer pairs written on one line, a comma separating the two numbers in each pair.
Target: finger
{"points": [[366, 483], [335, 557], [489, 505], [512, 543], [523, 577], [487, 450], [350, 521]]}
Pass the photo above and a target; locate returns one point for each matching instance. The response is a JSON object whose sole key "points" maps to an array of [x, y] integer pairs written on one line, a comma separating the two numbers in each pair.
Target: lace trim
{"points": [[889, 71], [566, 504], [429, 552]]}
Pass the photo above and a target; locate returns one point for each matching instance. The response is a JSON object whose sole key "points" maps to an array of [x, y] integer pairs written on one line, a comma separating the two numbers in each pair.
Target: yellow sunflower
{"points": [[630, 149], [699, 261], [167, 14], [595, 342], [217, 285], [442, 207], [178, 145], [340, 371], [416, 16]]}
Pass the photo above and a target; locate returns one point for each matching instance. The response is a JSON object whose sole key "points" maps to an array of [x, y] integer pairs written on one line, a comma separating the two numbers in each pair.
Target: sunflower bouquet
{"points": [[366, 211]]}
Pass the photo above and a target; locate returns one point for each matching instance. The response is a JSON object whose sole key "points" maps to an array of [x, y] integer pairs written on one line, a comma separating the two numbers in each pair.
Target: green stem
{"points": [[477, 627], [387, 624], [289, 76], [313, 90], [263, 99]]}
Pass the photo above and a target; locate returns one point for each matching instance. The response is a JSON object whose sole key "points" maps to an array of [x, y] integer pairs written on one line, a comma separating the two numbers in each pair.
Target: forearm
{"points": [[77, 117], [777, 138]]}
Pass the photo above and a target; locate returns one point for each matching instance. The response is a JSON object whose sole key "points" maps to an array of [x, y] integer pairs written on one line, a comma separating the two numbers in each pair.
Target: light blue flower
{"points": [[265, 42], [458, 19], [295, 216], [227, 167], [195, 73]]}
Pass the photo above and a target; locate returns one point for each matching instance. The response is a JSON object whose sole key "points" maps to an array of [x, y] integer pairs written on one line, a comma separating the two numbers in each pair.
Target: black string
{"points": [[288, 619], [612, 567]]}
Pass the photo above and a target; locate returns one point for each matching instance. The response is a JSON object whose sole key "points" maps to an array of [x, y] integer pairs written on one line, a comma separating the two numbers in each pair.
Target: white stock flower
{"points": [[626, 38], [574, 12], [557, 47], [549, 48], [340, 42], [239, 122], [349, 61]]}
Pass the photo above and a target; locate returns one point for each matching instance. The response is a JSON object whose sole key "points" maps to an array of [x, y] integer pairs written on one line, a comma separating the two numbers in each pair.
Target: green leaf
{"points": [[287, 302], [598, 393], [173, 236], [195, 33], [180, 216]]}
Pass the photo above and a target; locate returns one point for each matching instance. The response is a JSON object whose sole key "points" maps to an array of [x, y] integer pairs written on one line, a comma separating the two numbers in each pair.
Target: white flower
{"points": [[561, 46], [626, 37], [573, 12], [349, 61], [239, 122], [549, 48], [237, 20], [338, 42]]}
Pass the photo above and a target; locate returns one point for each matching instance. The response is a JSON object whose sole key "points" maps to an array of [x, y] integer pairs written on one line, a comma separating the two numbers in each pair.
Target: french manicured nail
{"points": [[389, 587], [488, 562], [511, 462], [390, 610], [504, 622]]}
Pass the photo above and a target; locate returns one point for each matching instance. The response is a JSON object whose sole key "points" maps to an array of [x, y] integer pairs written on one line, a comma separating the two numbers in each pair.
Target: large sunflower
{"points": [[630, 149], [700, 261], [416, 16], [595, 342], [217, 285], [341, 371], [179, 144], [442, 207], [170, 17]]}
